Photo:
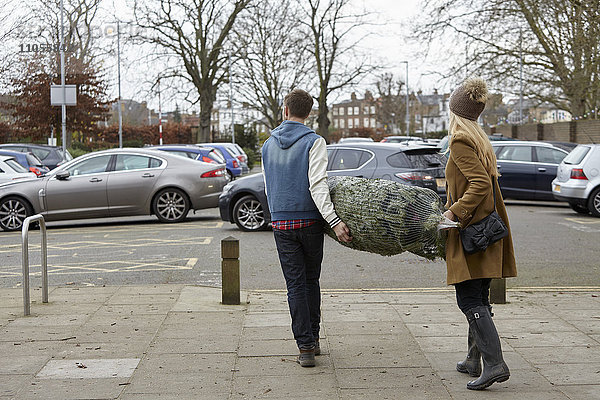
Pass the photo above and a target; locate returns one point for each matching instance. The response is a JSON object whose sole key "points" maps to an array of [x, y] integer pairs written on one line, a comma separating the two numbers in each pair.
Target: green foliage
{"points": [[253, 156], [246, 137], [388, 218]]}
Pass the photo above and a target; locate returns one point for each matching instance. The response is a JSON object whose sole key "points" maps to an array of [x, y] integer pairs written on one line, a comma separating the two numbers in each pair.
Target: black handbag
{"points": [[478, 236]]}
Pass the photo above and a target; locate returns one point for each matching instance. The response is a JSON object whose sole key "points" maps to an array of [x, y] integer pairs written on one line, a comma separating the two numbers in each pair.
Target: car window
{"points": [[515, 153], [93, 165], [398, 160], [130, 162], [14, 148], [348, 159], [15, 166], [549, 155], [65, 155], [42, 154], [577, 155], [33, 160], [177, 153], [216, 156], [425, 159]]}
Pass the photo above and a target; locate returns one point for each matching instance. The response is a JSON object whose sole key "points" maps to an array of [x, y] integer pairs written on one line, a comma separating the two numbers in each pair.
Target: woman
{"points": [[471, 171]]}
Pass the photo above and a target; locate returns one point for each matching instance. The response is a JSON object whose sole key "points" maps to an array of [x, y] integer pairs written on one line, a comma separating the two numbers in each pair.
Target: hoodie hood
{"points": [[289, 132]]}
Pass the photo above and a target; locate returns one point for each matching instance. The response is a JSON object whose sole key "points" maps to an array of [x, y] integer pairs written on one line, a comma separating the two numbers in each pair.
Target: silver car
{"points": [[578, 179], [115, 183]]}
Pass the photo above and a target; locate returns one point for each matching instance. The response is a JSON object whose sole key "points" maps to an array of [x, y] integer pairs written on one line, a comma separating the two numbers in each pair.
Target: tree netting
{"points": [[389, 218]]}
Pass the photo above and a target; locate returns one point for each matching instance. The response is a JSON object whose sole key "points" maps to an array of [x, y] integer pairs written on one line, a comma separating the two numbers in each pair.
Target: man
{"points": [[294, 166]]}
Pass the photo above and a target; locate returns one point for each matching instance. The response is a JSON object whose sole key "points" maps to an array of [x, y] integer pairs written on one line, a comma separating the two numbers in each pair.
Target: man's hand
{"points": [[342, 232]]}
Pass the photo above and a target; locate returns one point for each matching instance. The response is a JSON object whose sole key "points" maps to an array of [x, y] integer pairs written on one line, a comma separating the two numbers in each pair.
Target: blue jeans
{"points": [[300, 254]]}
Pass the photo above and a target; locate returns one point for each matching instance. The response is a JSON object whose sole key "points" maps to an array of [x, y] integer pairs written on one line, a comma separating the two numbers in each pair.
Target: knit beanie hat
{"points": [[468, 100]]}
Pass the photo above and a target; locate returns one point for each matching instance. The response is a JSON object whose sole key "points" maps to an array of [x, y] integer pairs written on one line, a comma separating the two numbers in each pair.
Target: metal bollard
{"points": [[498, 291], [230, 271], [25, 253]]}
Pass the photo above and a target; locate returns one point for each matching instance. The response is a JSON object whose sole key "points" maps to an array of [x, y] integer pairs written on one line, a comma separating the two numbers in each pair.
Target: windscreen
{"points": [[577, 155]]}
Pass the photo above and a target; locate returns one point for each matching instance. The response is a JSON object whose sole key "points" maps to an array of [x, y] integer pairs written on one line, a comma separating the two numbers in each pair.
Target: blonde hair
{"points": [[483, 147]]}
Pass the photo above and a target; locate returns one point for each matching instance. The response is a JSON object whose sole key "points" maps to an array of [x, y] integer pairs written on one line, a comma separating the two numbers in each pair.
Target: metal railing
{"points": [[25, 252]]}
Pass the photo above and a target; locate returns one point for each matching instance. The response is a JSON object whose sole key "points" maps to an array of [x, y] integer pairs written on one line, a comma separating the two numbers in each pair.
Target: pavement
{"points": [[178, 342]]}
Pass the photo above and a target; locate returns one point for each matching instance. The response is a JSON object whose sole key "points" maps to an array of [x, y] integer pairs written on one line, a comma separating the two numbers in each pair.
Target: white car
{"points": [[578, 179], [11, 170]]}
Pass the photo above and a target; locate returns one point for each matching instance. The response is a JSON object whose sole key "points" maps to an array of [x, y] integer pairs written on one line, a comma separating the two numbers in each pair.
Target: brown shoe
{"points": [[306, 358]]}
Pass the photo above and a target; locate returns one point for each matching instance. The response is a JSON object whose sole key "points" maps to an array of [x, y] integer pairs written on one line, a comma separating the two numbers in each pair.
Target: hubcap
{"points": [[171, 205], [597, 202], [250, 215], [12, 214]]}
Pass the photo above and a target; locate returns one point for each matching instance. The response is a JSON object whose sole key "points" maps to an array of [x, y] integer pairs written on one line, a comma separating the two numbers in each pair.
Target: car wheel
{"points": [[594, 203], [578, 208], [171, 205], [231, 177], [248, 214], [13, 211]]}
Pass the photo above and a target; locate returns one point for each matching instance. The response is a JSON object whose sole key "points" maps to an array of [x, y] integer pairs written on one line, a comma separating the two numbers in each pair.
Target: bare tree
{"points": [[273, 59], [81, 33], [557, 43], [392, 103], [195, 33], [330, 23], [12, 26]]}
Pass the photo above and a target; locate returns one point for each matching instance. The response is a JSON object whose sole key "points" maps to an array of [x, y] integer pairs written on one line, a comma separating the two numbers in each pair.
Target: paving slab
{"points": [[581, 392], [386, 378], [282, 366], [10, 385], [22, 364], [72, 389], [322, 386], [196, 344], [539, 356], [187, 363], [575, 374], [89, 368], [421, 393], [187, 385], [197, 298]]}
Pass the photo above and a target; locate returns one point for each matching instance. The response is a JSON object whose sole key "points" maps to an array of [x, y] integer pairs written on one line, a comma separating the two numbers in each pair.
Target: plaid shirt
{"points": [[285, 225]]}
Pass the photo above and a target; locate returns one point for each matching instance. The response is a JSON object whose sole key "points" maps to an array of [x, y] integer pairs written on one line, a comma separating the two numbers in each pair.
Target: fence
{"points": [[584, 131]]}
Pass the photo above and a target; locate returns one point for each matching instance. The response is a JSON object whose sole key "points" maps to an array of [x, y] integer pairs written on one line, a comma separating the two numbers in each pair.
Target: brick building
{"points": [[354, 114]]}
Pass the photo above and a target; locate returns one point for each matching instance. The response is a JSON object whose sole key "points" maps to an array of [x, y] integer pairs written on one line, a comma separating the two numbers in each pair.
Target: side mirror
{"points": [[62, 175]]}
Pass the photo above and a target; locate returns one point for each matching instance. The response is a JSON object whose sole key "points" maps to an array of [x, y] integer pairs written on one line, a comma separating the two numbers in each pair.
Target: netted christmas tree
{"points": [[389, 218]]}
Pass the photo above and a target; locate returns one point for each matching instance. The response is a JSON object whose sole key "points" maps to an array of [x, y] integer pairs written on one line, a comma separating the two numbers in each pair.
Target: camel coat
{"points": [[470, 188]]}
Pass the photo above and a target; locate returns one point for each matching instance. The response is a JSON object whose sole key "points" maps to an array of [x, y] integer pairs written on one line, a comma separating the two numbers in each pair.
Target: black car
{"points": [[51, 156], [244, 203], [528, 168]]}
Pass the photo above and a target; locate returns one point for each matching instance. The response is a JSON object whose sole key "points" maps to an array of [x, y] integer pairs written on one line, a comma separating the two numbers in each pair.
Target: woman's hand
{"points": [[450, 215]]}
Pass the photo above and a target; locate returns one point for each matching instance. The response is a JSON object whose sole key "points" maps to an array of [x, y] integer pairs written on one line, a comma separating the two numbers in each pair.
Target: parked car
{"points": [[204, 154], [113, 183], [347, 140], [399, 139], [11, 170], [51, 156], [527, 168], [27, 160], [239, 153], [234, 167], [578, 179], [244, 203], [444, 142]]}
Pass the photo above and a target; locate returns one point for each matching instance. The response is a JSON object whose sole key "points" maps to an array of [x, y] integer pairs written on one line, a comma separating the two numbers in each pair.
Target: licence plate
{"points": [[557, 188], [441, 182]]}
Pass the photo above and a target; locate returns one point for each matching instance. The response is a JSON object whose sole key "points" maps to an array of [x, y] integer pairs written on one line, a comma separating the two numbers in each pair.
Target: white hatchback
{"points": [[11, 170], [578, 179]]}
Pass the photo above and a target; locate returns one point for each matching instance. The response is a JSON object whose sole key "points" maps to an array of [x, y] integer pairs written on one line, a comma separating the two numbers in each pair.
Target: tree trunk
{"points": [[322, 118], [206, 106]]}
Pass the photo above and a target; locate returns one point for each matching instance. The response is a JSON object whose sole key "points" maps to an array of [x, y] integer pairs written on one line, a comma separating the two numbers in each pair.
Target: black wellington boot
{"points": [[488, 343], [472, 364]]}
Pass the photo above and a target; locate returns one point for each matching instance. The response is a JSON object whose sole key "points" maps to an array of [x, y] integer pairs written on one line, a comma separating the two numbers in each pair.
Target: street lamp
{"points": [[407, 100]]}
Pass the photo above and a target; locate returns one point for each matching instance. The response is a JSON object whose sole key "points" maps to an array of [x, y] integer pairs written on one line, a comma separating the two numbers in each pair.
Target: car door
{"points": [[518, 173], [547, 160], [83, 193], [131, 182], [351, 162]]}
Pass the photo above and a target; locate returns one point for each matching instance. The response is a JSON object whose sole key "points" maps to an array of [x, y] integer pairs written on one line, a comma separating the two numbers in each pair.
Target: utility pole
{"points": [[62, 77], [231, 101], [160, 139], [119, 77], [521, 76], [407, 101]]}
